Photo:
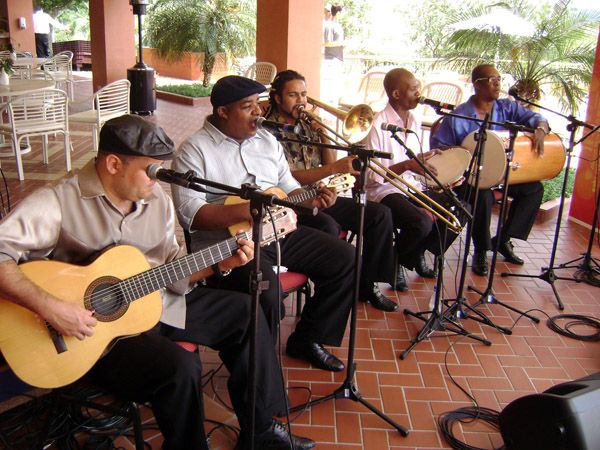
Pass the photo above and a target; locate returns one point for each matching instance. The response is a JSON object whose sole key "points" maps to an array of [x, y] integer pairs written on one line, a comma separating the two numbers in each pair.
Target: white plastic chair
{"points": [[370, 92], [38, 113], [443, 91], [61, 67], [263, 72], [107, 103]]}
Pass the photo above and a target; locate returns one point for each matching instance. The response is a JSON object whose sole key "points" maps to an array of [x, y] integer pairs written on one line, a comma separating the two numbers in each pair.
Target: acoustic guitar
{"points": [[341, 183], [122, 290]]}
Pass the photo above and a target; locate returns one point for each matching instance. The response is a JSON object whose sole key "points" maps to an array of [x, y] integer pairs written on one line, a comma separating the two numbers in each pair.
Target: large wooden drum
{"points": [[526, 166]]}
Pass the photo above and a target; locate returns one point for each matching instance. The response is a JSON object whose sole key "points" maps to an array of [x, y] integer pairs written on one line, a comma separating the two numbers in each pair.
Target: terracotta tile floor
{"points": [[413, 391]]}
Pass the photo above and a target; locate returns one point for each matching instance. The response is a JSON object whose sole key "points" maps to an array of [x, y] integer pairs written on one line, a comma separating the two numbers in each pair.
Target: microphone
{"points": [[271, 125], [395, 128], [157, 172], [435, 103]]}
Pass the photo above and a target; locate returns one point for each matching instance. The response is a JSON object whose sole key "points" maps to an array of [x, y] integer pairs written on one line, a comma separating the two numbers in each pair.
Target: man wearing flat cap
{"points": [[112, 201], [231, 150]]}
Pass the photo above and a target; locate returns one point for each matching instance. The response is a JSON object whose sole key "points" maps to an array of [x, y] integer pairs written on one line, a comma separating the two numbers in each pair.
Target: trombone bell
{"points": [[356, 123]]}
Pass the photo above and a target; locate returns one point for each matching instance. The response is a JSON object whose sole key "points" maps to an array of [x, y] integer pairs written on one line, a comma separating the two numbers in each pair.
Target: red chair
{"points": [[298, 283]]}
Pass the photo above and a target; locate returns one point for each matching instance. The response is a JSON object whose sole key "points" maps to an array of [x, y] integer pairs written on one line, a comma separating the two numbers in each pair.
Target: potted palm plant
{"points": [[556, 57], [208, 27]]}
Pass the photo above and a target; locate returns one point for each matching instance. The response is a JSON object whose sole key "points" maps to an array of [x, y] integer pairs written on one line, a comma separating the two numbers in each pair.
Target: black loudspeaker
{"points": [[565, 417]]}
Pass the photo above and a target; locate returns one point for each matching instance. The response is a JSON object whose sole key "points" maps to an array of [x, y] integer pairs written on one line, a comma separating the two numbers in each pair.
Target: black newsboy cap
{"points": [[134, 136], [232, 88]]}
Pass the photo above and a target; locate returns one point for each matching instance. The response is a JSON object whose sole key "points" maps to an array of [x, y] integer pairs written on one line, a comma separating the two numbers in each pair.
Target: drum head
{"points": [[450, 166], [493, 162]]}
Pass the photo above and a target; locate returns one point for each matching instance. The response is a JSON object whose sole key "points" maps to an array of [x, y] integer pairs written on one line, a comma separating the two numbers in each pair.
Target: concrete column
{"points": [[113, 40], [289, 34], [23, 40], [586, 189]]}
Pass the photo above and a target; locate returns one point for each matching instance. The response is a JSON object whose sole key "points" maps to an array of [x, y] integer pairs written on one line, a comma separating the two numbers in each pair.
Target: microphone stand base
{"points": [[548, 276], [349, 391], [437, 322]]}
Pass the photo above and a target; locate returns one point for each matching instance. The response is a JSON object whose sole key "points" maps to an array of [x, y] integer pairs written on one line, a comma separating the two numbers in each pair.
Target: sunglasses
{"points": [[490, 80]]}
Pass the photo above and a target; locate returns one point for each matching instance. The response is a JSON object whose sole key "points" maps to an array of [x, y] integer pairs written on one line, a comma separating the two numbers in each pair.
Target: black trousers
{"points": [[526, 200], [415, 227], [328, 261], [220, 319], [42, 45], [378, 253], [150, 367]]}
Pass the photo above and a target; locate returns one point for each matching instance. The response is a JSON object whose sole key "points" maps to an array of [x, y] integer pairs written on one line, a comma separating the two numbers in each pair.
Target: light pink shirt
{"points": [[378, 139]]}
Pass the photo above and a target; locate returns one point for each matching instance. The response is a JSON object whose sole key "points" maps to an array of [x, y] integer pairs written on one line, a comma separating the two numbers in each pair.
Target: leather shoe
{"points": [[314, 353], [480, 264], [276, 437], [400, 284], [378, 300], [423, 269], [506, 249]]}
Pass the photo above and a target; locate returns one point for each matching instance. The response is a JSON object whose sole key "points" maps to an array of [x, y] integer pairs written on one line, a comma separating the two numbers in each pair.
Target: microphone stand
{"points": [[436, 321], [589, 266], [460, 302], [258, 204], [488, 295], [548, 274], [348, 389]]}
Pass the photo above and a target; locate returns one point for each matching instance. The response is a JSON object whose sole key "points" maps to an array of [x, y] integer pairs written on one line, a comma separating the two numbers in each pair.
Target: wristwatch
{"points": [[217, 272]]}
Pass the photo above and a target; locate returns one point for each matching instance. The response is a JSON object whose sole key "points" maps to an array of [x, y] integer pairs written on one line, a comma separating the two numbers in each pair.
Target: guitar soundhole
{"points": [[105, 297]]}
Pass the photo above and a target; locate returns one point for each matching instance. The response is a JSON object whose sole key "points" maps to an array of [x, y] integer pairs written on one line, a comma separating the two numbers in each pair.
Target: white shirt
{"points": [[42, 22], [377, 187], [219, 158]]}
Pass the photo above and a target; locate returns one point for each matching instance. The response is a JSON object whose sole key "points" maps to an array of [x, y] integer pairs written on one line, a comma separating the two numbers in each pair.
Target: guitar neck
{"points": [[154, 279], [307, 194]]}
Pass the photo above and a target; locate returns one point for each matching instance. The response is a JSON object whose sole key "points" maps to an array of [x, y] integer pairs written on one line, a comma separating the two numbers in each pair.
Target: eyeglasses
{"points": [[490, 80]]}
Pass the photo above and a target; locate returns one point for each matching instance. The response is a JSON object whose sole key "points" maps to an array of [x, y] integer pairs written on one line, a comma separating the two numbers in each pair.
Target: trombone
{"points": [[356, 124]]}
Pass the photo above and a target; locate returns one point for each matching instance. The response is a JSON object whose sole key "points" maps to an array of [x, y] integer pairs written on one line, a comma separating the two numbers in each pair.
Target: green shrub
{"points": [[553, 187], [190, 90]]}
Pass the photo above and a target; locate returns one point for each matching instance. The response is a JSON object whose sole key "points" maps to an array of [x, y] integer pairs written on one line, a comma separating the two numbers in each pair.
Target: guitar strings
{"points": [[146, 279]]}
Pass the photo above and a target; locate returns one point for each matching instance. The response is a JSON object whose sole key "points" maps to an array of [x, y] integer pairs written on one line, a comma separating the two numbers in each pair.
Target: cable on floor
{"points": [[576, 320]]}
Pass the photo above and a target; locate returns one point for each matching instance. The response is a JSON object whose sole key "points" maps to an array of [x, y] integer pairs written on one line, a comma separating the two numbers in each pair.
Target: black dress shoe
{"points": [[423, 269], [480, 264], [314, 353], [400, 284], [378, 300], [274, 438], [506, 249]]}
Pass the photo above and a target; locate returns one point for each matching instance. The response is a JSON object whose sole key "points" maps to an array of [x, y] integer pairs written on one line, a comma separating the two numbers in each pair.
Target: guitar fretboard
{"points": [[151, 280]]}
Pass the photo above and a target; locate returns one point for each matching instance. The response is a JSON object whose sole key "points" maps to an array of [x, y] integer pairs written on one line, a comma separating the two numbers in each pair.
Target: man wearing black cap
{"points": [[112, 201], [229, 149]]}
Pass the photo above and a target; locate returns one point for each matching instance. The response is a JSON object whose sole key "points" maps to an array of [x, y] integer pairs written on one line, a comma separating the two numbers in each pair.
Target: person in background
{"points": [[527, 197], [41, 27]]}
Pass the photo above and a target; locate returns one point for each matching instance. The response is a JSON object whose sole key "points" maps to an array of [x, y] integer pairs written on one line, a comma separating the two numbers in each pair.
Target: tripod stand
{"points": [[488, 295], [548, 275], [436, 321], [348, 389], [589, 266]]}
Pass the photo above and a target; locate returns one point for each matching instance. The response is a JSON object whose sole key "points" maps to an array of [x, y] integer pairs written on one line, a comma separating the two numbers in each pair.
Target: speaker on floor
{"points": [[564, 417]]}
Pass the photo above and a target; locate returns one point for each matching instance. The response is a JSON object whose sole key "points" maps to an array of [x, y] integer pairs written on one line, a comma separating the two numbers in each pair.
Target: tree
{"points": [[558, 56], [205, 26]]}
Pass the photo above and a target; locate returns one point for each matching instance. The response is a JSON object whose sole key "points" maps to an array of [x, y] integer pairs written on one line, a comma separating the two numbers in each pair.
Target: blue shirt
{"points": [[453, 130]]}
